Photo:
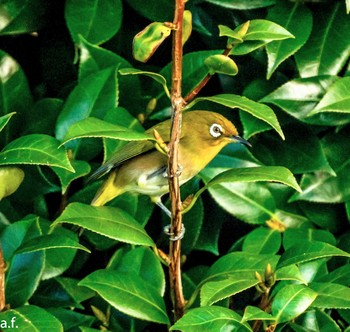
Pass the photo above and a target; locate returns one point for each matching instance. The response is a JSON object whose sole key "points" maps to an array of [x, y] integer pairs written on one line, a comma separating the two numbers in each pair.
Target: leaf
{"points": [[305, 251], [147, 41], [214, 291], [10, 179], [323, 187], [221, 64], [208, 319], [5, 119], [111, 222], [327, 49], [254, 313], [35, 149], [31, 318], [155, 76], [95, 22], [340, 275], [289, 272], [297, 19], [93, 127], [331, 296], [262, 240], [22, 16], [81, 168], [258, 110], [336, 98], [50, 241], [128, 293], [237, 4], [300, 96], [291, 301]]}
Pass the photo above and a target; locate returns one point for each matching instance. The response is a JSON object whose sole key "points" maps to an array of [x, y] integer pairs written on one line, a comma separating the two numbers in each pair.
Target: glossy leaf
{"points": [[93, 96], [331, 296], [221, 64], [327, 49], [306, 251], [97, 23], [128, 293], [5, 119], [290, 272], [51, 241], [340, 276], [209, 319], [93, 127], [31, 318], [10, 179], [297, 19], [291, 301], [254, 313], [22, 16], [108, 221], [81, 168], [157, 77], [262, 240], [336, 98], [35, 149], [258, 110], [214, 291]]}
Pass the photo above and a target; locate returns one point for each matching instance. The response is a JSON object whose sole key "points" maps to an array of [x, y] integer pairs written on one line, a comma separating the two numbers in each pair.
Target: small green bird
{"points": [[140, 168]]}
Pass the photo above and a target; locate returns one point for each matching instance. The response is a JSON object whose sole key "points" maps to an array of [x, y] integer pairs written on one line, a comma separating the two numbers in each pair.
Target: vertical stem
{"points": [[173, 164], [2, 281]]}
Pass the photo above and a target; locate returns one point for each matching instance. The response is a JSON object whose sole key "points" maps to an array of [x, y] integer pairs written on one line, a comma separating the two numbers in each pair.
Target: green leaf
{"points": [[51, 241], [289, 272], [94, 96], [128, 293], [297, 19], [300, 96], [95, 21], [108, 221], [254, 313], [336, 98], [292, 236], [149, 39], [208, 319], [81, 168], [323, 187], [270, 150], [35, 149], [331, 296], [214, 291], [262, 240], [221, 64], [22, 16], [237, 4], [327, 49], [10, 179], [93, 127], [291, 301], [305, 251], [5, 119], [155, 76], [340, 275], [31, 318], [258, 110]]}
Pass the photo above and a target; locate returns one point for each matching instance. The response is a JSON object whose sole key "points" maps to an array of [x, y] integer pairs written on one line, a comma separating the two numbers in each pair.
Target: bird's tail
{"points": [[107, 191]]}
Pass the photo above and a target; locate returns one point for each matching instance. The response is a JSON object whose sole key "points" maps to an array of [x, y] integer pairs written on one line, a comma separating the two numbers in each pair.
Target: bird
{"points": [[139, 167]]}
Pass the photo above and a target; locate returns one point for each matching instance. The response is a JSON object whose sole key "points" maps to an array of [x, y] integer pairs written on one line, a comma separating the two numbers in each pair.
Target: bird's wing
{"points": [[132, 149]]}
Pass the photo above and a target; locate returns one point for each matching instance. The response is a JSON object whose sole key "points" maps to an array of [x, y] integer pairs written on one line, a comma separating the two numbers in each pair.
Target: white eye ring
{"points": [[215, 130]]}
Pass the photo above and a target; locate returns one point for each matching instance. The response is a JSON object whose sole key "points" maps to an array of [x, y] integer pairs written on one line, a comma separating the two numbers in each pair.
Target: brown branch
{"points": [[192, 94], [2, 281], [173, 164]]}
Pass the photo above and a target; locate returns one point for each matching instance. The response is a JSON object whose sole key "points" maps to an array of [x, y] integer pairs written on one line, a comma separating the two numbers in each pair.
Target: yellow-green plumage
{"points": [[138, 167]]}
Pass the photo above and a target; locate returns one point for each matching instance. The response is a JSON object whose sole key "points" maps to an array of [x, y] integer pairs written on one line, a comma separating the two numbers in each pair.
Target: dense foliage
{"points": [[258, 253]]}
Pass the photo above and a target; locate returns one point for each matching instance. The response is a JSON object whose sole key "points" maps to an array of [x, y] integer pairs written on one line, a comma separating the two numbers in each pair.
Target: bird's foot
{"points": [[172, 236], [178, 172]]}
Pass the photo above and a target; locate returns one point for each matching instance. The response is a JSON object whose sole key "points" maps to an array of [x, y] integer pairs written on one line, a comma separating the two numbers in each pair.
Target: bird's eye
{"points": [[215, 130]]}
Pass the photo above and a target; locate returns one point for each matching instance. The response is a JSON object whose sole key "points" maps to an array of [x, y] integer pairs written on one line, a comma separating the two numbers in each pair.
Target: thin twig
{"points": [[173, 164], [2, 281]]}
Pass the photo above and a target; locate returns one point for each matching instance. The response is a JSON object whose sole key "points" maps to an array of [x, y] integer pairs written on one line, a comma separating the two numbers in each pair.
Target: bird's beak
{"points": [[241, 140]]}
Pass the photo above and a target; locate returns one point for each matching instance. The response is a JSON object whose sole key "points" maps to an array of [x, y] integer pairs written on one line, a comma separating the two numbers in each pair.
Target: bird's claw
{"points": [[171, 234]]}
